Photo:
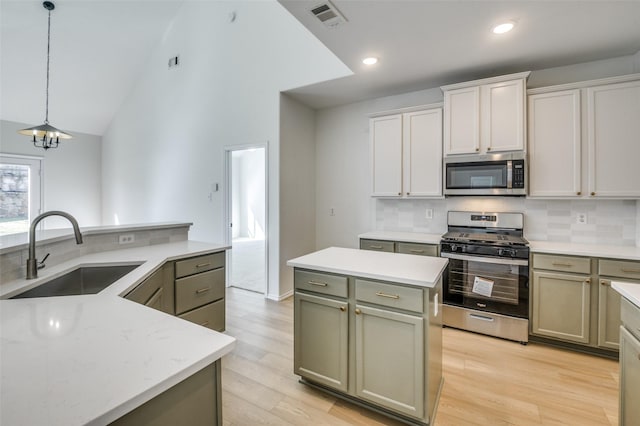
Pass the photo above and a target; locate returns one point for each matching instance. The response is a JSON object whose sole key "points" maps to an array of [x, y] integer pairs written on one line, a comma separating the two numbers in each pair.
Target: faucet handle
{"points": [[41, 263]]}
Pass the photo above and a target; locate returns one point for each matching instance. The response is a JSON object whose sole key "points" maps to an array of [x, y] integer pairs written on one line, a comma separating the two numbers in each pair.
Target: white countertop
{"points": [[591, 250], [91, 359], [406, 237], [629, 291], [421, 271]]}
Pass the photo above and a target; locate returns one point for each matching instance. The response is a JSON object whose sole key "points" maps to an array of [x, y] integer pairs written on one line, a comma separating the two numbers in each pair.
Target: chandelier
{"points": [[46, 136]]}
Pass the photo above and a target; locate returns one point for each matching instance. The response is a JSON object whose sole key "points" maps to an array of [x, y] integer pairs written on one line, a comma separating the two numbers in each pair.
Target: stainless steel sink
{"points": [[83, 280]]}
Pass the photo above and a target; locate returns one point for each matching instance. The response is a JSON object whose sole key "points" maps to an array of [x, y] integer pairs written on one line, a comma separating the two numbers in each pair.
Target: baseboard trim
{"points": [[281, 297]]}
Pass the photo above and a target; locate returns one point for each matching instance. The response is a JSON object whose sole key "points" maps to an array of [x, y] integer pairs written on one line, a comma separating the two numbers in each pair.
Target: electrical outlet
{"points": [[581, 218], [126, 239], [428, 214]]}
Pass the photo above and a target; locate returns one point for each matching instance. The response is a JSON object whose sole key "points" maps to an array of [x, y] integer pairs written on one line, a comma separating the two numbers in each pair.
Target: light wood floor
{"points": [[488, 381]]}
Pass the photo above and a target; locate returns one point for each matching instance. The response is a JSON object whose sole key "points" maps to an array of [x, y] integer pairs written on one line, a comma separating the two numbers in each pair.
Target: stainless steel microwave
{"points": [[491, 174]]}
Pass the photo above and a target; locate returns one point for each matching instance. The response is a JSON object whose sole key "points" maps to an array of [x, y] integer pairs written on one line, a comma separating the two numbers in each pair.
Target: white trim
{"points": [[585, 84], [226, 217], [407, 109], [280, 298], [484, 81]]}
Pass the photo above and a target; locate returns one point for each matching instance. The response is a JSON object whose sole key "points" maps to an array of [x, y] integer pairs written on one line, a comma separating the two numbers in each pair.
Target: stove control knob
{"points": [[512, 253], [454, 247], [500, 252]]}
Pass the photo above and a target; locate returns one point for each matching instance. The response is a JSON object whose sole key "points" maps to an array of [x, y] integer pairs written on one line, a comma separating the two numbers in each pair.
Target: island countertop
{"points": [[90, 359], [420, 271]]}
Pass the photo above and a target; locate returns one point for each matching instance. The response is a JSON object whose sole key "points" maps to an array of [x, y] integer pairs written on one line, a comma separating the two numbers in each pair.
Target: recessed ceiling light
{"points": [[504, 27], [370, 61]]}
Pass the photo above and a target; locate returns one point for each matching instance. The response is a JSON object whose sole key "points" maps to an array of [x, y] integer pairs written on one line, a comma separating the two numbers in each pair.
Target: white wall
{"points": [[342, 173], [165, 147], [72, 173], [297, 185]]}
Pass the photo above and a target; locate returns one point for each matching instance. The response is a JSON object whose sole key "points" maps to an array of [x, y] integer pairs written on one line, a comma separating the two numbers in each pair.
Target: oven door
{"points": [[499, 285]]}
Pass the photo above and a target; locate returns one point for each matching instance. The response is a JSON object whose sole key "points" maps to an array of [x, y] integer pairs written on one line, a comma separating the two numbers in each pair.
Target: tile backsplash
{"points": [[615, 222]]}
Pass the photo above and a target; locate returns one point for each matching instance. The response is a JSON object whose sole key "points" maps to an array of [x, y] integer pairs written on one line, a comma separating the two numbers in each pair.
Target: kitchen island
{"points": [[99, 358], [368, 328]]}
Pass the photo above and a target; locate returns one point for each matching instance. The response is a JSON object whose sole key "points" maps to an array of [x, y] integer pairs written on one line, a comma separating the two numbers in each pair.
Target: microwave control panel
{"points": [[518, 174]]}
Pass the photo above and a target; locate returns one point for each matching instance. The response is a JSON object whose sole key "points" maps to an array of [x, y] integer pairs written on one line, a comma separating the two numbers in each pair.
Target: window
{"points": [[20, 192]]}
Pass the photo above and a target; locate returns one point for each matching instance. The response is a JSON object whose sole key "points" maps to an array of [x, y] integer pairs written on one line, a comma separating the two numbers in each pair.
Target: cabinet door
{"points": [[629, 379], [321, 340], [502, 119], [608, 316], [462, 121], [390, 359], [561, 306], [554, 144], [386, 155], [613, 124], [422, 144]]}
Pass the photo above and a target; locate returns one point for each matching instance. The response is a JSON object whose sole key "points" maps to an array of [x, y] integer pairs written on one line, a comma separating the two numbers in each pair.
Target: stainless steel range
{"points": [[486, 289]]}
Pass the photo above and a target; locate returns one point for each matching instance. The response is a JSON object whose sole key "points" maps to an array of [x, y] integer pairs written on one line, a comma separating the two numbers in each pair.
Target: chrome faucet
{"points": [[32, 262]]}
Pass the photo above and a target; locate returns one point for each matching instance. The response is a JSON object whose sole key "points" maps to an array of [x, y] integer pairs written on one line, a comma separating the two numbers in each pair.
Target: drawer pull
{"points": [[376, 247], [342, 308], [204, 324], [481, 317], [202, 265], [390, 296], [631, 271], [318, 283], [203, 290], [568, 265], [416, 251]]}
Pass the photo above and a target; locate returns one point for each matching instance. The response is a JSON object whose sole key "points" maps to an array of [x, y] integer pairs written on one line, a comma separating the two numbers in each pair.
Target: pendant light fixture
{"points": [[46, 136]]}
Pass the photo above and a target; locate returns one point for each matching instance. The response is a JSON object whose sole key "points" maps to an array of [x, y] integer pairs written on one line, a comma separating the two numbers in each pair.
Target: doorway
{"points": [[247, 217]]}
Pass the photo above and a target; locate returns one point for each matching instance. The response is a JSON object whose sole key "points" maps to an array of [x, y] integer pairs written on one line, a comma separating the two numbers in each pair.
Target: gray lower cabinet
{"points": [[419, 249], [194, 401], [629, 364], [377, 342], [156, 291]]}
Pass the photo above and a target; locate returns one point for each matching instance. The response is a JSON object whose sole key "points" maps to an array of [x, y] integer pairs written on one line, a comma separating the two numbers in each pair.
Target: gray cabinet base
{"points": [[376, 408]]}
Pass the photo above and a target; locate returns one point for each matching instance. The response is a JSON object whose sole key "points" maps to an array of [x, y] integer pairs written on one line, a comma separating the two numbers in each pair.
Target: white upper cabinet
{"points": [[613, 117], [584, 139], [485, 116], [406, 154], [554, 144]]}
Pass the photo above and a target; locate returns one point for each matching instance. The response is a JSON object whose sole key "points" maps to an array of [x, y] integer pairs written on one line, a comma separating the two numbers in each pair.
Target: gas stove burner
{"points": [[484, 238]]}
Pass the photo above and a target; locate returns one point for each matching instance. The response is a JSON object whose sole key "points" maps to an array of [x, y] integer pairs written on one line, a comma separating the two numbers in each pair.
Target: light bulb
{"points": [[370, 61], [503, 28]]}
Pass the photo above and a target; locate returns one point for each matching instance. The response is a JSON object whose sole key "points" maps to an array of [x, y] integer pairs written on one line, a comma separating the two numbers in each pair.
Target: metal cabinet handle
{"points": [[593, 193], [390, 296], [407, 193], [488, 148], [579, 193], [319, 284], [588, 281], [203, 290], [342, 308], [376, 247], [416, 251], [477, 149], [202, 265], [358, 311], [568, 265], [631, 271], [603, 282], [399, 193]]}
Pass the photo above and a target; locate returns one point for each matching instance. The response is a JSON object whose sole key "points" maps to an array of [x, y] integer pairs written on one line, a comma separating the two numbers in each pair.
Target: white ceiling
{"points": [[99, 48], [425, 43]]}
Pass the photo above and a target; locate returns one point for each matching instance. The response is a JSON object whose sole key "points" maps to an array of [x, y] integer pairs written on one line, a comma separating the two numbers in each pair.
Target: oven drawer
{"points": [[619, 268], [418, 249], [581, 265], [334, 285], [393, 296]]}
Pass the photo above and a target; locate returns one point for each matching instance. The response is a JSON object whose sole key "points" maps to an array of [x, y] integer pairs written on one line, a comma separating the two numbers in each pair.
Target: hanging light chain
{"points": [[46, 116]]}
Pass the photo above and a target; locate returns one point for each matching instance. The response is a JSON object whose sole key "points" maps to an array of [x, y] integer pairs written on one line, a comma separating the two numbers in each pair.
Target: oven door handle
{"points": [[482, 259]]}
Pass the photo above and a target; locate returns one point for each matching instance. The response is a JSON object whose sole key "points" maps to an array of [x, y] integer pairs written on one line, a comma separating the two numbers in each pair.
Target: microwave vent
{"points": [[328, 14]]}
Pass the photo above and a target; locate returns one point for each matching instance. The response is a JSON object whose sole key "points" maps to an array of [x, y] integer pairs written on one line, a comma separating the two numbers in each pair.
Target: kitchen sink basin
{"points": [[83, 280]]}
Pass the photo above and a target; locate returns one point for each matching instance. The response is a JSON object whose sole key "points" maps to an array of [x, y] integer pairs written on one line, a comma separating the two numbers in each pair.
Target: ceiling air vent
{"points": [[328, 14]]}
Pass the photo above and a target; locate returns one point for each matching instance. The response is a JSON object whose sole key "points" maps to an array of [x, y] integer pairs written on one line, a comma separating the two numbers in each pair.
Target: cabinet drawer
{"points": [[418, 249], [630, 315], [551, 262], [199, 289], [335, 285], [147, 288], [619, 268], [393, 296], [377, 245], [198, 264], [210, 316]]}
